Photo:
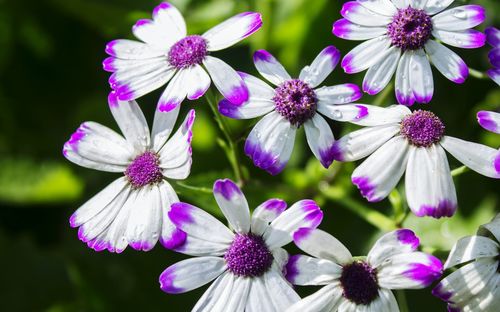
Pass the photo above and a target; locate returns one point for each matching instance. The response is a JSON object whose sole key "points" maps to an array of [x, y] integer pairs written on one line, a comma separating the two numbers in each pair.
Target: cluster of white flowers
{"points": [[246, 262]]}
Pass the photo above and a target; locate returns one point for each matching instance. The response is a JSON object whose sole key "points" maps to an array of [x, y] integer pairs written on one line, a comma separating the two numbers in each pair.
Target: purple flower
{"points": [[292, 103], [398, 141], [245, 261], [474, 286], [493, 38], [399, 36], [166, 53], [132, 210], [354, 284]]}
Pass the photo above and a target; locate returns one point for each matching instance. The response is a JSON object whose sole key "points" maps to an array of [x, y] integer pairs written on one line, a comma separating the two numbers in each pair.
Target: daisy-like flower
{"points": [[247, 260], [166, 53], [359, 284], [493, 38], [290, 104], [398, 141], [133, 209], [399, 39], [475, 286], [489, 120]]}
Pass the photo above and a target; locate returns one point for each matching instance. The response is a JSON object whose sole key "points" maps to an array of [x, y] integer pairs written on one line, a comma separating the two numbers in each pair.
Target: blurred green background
{"points": [[52, 80]]}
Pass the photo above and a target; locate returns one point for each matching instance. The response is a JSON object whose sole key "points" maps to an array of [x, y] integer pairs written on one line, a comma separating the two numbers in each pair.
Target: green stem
{"points": [[371, 216], [195, 188], [397, 207], [458, 171], [228, 144], [403, 303], [477, 74], [382, 97]]}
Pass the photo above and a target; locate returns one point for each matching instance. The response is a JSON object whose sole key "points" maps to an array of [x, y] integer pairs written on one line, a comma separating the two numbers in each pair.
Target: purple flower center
{"points": [[144, 169], [422, 128], [295, 101], [248, 256], [410, 29], [359, 281], [187, 52]]}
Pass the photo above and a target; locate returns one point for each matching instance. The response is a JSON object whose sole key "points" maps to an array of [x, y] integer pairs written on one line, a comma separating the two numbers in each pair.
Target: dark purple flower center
{"points": [[359, 282], [410, 29], [422, 128], [248, 256], [295, 101], [144, 169], [187, 52]]}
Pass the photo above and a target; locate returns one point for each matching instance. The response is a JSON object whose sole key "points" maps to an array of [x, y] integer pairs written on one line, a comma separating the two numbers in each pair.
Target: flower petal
{"points": [[132, 50], [430, 190], [413, 270], [489, 120], [320, 139], [174, 93], [365, 54], [265, 213], [361, 143], [197, 82], [168, 18], [447, 62], [175, 155], [190, 274], [98, 147], [459, 18], [163, 125], [435, 6], [233, 205], [270, 143], [226, 80], [344, 29], [421, 80], [321, 244], [338, 94], [217, 295], [170, 236], [248, 110], [304, 213], [269, 67], [328, 298], [377, 176], [494, 74], [480, 158], [492, 227], [364, 115], [378, 76], [232, 30], [257, 89], [239, 294], [396, 242], [358, 14], [259, 300], [471, 248], [492, 36], [321, 67], [281, 293], [198, 223], [404, 90], [384, 7], [161, 38], [467, 39]]}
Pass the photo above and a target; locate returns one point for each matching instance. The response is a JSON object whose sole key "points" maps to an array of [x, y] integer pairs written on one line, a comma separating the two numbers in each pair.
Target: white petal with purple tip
{"points": [[248, 110], [396, 242], [149, 32], [190, 274], [163, 126], [198, 247], [487, 299], [320, 139], [322, 245], [257, 89], [467, 39], [270, 143], [384, 7], [281, 293], [265, 213], [404, 90], [421, 77], [197, 82], [233, 205], [132, 50], [126, 69], [365, 54], [358, 14], [378, 76], [459, 18], [174, 93], [364, 115], [480, 158], [170, 236], [321, 67], [377, 176], [199, 223], [226, 80], [328, 298], [305, 270], [269, 67], [435, 6], [430, 190], [338, 94], [232, 30], [489, 120], [304, 213], [169, 19], [447, 61], [346, 30], [131, 85], [470, 248]]}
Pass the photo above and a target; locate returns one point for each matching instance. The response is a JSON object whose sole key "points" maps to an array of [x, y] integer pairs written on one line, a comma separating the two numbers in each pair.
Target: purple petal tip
{"points": [[226, 188]]}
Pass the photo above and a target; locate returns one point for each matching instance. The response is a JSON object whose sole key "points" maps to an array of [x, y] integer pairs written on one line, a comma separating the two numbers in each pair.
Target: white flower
{"points": [[489, 121], [133, 209], [399, 39], [246, 262], [475, 286], [398, 140], [291, 104], [359, 285], [167, 53]]}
